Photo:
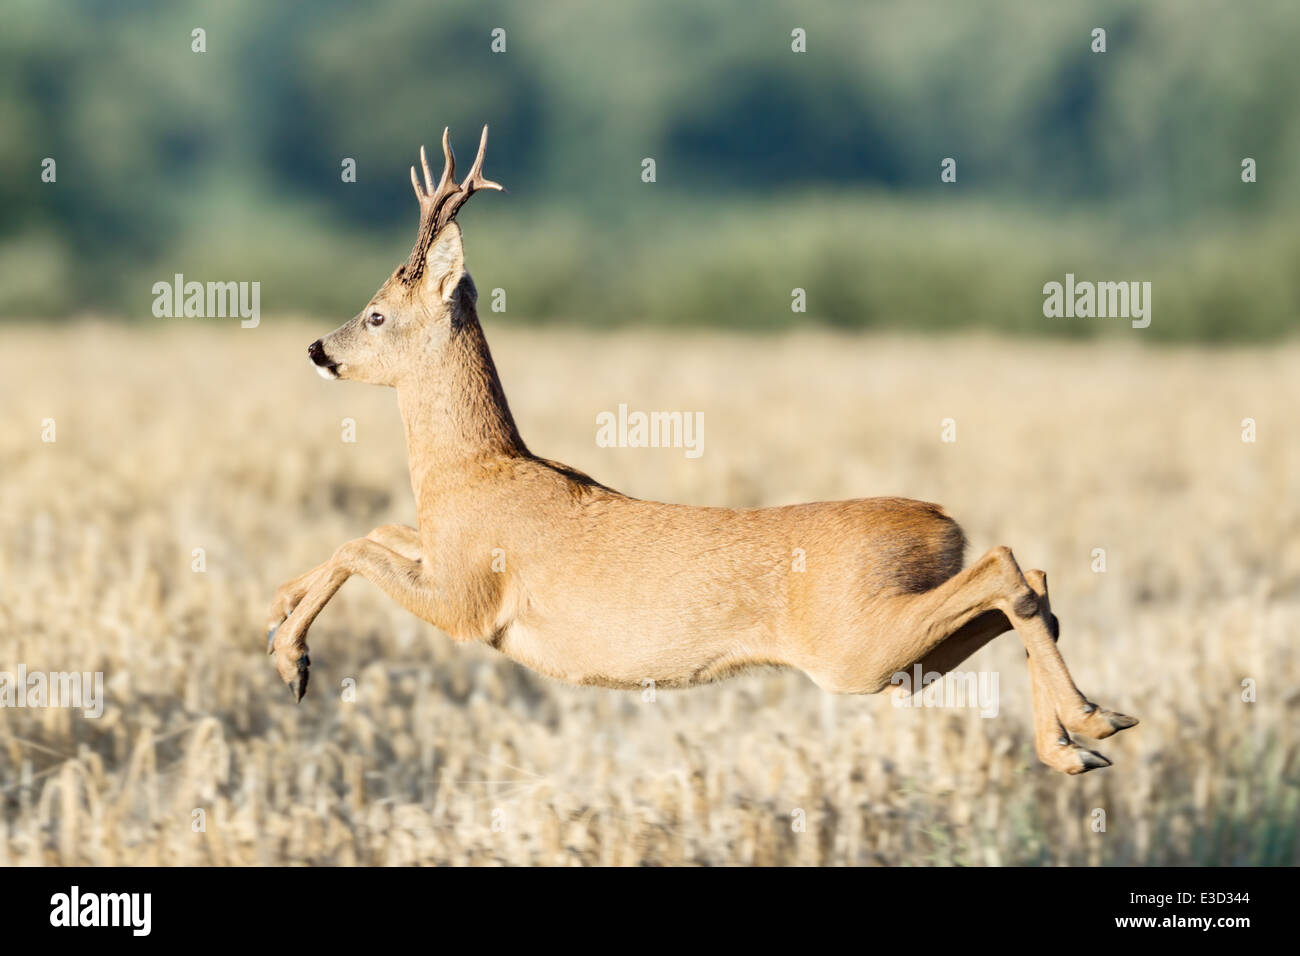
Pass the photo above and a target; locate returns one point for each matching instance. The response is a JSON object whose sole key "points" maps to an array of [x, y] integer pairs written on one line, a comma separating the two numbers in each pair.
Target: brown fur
{"points": [[590, 586]]}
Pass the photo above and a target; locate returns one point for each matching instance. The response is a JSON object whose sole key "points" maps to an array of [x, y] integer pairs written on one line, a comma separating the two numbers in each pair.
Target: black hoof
{"points": [[298, 686]]}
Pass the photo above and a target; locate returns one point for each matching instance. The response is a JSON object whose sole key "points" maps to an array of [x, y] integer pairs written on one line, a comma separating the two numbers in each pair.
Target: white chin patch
{"points": [[325, 372]]}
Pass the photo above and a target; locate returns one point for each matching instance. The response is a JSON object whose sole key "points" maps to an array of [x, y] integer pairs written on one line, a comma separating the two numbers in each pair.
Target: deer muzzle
{"points": [[325, 366]]}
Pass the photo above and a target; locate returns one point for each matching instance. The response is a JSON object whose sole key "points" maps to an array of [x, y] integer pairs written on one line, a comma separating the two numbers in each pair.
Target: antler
{"points": [[439, 205]]}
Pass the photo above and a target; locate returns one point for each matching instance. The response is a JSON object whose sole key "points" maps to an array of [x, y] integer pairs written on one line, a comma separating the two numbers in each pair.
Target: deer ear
{"points": [[445, 263]]}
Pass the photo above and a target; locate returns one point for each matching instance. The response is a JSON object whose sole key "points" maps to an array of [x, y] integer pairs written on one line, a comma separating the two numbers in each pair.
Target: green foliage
{"points": [[775, 170]]}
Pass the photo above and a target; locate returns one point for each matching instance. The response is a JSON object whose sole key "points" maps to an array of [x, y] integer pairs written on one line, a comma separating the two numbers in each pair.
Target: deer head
{"points": [[419, 309]]}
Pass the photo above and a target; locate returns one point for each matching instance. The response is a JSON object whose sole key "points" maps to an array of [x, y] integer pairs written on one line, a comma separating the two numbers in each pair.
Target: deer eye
{"points": [[375, 320]]}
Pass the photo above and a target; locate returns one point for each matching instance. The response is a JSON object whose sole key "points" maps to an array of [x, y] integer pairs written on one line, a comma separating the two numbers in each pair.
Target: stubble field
{"points": [[410, 750]]}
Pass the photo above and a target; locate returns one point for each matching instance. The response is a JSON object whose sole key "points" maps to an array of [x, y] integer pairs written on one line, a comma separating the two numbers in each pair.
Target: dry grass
{"points": [[222, 439]]}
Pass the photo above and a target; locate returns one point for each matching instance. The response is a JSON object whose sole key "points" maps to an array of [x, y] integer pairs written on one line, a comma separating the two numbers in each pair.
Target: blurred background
{"points": [[775, 170], [160, 477]]}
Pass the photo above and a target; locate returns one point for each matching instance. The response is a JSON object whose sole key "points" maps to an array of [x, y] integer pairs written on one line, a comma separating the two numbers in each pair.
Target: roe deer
{"points": [[600, 588]]}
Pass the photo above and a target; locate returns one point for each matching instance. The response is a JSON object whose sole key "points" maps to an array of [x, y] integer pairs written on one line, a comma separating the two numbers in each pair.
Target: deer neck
{"points": [[455, 410]]}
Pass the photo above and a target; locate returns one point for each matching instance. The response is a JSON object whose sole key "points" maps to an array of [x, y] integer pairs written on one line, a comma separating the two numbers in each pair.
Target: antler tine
{"points": [[426, 193], [428, 176], [448, 161], [468, 187], [439, 206], [475, 181]]}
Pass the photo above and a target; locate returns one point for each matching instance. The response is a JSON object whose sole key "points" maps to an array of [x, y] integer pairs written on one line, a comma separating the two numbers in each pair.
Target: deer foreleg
{"points": [[400, 538], [399, 576]]}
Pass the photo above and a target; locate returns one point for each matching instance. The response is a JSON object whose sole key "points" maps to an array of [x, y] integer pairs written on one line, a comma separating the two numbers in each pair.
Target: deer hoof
{"points": [[1100, 723], [298, 683], [1089, 760], [1072, 759]]}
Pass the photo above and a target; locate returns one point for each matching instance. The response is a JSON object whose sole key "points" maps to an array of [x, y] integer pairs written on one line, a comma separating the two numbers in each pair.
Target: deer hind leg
{"points": [[1059, 707], [964, 642], [981, 602], [1052, 741], [970, 637], [1090, 720]]}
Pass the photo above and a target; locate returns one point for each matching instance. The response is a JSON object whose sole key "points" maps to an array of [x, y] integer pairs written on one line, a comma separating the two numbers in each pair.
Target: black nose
{"points": [[316, 353]]}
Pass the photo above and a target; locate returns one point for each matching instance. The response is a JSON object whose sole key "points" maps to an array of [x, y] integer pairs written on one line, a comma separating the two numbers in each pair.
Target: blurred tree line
{"points": [[774, 169]]}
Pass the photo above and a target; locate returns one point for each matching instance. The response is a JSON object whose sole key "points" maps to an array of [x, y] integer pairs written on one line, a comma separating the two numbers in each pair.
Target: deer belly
{"points": [[625, 657]]}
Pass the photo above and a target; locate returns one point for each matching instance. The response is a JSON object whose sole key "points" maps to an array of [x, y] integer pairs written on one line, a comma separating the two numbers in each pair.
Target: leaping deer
{"points": [[599, 588]]}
